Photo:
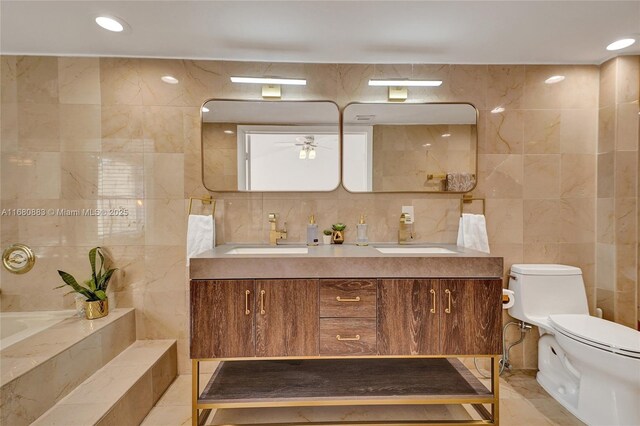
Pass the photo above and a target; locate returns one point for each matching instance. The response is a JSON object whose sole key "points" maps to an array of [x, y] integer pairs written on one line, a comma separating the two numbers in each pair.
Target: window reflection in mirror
{"points": [[409, 147], [270, 146]]}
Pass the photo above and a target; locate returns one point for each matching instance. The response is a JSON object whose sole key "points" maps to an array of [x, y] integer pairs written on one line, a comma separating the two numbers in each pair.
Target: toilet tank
{"points": [[546, 289]]}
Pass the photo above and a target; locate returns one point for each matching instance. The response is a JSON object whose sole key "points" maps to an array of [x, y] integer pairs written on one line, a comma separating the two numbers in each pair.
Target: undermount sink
{"points": [[269, 250], [414, 250]]}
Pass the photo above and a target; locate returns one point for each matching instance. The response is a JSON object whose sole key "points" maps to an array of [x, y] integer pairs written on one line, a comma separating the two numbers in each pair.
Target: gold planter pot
{"points": [[97, 309]]}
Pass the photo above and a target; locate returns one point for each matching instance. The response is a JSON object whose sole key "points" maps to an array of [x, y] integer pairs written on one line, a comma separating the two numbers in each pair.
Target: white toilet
{"points": [[588, 364]]}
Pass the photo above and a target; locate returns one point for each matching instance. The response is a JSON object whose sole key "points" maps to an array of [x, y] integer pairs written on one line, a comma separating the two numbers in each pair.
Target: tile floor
{"points": [[522, 403]]}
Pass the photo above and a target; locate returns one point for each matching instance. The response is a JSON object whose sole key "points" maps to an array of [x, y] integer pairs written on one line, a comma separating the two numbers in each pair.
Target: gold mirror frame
{"points": [[342, 129], [18, 266]]}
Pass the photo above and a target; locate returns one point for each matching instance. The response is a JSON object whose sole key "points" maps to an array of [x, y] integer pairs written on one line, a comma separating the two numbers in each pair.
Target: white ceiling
{"points": [[326, 31]]}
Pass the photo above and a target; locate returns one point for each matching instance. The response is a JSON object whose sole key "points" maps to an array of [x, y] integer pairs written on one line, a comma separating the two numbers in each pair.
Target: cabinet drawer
{"points": [[348, 298], [347, 336]]}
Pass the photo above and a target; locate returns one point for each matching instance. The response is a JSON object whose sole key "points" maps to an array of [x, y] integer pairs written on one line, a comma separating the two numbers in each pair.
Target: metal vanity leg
{"points": [[195, 387], [495, 389]]}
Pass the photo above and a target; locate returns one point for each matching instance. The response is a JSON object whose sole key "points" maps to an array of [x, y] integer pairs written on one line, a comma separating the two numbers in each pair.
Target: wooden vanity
{"points": [[385, 330]]}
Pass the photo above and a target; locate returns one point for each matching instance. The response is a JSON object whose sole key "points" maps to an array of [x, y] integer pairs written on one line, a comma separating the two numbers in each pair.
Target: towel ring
{"points": [[206, 200], [468, 199]]}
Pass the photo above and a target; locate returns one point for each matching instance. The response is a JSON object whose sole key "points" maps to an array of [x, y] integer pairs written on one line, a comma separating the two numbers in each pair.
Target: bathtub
{"points": [[16, 326]]}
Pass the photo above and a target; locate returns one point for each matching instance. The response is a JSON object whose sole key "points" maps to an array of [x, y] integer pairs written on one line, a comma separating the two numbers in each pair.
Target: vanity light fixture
{"points": [[205, 109], [406, 83], [621, 44], [554, 79], [398, 88], [270, 85], [110, 23], [169, 79], [497, 110], [270, 80]]}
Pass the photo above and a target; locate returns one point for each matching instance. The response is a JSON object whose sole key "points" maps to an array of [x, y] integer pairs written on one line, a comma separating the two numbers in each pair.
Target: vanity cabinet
{"points": [[373, 338], [286, 318], [439, 316], [247, 318], [222, 319]]}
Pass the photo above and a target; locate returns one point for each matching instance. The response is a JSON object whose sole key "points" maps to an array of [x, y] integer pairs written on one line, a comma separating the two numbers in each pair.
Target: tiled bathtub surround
{"points": [[617, 247], [107, 132], [63, 356]]}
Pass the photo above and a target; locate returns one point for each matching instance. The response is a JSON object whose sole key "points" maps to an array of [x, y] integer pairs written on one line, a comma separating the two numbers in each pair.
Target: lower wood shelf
{"points": [[332, 382]]}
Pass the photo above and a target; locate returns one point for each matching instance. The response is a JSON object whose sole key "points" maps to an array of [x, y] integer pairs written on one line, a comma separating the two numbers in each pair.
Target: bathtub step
{"points": [[37, 372], [123, 391]]}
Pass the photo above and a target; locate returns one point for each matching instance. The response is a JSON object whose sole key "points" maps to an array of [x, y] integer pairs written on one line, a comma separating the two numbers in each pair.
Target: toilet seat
{"points": [[598, 333]]}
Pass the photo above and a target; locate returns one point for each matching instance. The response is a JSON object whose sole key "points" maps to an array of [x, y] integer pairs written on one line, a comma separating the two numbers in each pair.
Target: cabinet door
{"points": [[408, 315], [471, 311], [222, 318], [287, 318]]}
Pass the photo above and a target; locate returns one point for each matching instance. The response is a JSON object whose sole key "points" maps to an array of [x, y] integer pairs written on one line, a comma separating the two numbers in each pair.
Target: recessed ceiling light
{"points": [[405, 83], [228, 132], [554, 79], [446, 135], [621, 44], [205, 109], [497, 110], [427, 145], [109, 23], [270, 80], [169, 79]]}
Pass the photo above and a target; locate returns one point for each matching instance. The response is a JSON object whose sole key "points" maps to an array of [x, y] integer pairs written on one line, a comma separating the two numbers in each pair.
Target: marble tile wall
{"points": [[398, 151], [617, 203], [108, 133]]}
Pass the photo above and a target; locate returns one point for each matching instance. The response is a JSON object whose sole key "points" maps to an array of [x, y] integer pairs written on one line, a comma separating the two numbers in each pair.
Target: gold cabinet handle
{"points": [[355, 299], [448, 310], [342, 339], [433, 301], [262, 311], [247, 311]]}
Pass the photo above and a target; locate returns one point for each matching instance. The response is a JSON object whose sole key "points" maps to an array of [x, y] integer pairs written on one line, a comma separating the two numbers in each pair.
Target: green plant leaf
{"points": [[104, 282], [101, 263], [91, 284], [92, 261], [70, 281], [101, 295]]}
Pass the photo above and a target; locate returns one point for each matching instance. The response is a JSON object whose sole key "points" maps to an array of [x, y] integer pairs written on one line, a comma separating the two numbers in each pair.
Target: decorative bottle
{"points": [[361, 233], [312, 232]]}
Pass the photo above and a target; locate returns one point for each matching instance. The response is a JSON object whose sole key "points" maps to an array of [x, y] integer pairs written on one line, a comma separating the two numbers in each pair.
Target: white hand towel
{"points": [[472, 232], [201, 234]]}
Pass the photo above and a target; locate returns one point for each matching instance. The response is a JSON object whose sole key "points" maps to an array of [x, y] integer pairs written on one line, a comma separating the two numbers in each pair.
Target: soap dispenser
{"points": [[361, 237], [312, 232]]}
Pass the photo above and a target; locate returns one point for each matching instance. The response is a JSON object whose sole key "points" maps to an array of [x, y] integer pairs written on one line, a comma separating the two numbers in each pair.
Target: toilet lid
{"points": [[598, 331]]}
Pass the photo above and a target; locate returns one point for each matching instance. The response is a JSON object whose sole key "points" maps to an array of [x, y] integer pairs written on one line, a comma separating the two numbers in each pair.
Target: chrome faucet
{"points": [[405, 232], [276, 234]]}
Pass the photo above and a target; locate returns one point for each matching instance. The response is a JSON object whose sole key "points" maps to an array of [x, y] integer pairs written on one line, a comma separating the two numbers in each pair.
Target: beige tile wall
{"points": [[399, 151], [95, 133], [617, 205]]}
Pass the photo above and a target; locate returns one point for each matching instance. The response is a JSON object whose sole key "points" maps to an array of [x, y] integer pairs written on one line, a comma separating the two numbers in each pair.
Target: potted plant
{"points": [[326, 237], [338, 233], [94, 289]]}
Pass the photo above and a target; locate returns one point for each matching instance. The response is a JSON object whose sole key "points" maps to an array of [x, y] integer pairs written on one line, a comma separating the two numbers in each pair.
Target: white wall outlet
{"points": [[409, 210]]}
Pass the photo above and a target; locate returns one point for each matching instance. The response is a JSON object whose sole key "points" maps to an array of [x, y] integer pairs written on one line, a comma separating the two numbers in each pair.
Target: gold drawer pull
{"points": [[355, 299], [448, 310], [247, 311], [433, 300], [262, 311], [340, 338]]}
